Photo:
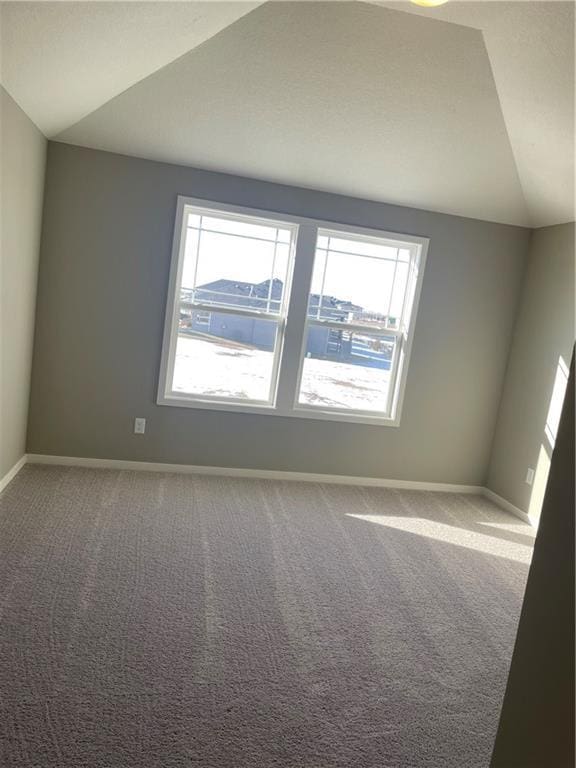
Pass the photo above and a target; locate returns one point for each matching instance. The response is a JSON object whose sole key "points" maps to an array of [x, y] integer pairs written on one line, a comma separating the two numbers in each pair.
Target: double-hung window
{"points": [[271, 313], [357, 326], [229, 305]]}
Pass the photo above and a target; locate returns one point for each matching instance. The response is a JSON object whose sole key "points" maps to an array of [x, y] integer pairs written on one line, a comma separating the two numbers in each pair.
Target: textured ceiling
{"points": [[344, 97], [62, 60], [466, 109], [531, 50]]}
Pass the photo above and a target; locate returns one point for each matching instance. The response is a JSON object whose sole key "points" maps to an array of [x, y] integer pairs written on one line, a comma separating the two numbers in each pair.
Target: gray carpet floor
{"points": [[152, 620]]}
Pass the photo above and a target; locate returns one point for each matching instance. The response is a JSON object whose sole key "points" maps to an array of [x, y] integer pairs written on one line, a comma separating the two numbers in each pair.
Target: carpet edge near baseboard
{"points": [[262, 474]]}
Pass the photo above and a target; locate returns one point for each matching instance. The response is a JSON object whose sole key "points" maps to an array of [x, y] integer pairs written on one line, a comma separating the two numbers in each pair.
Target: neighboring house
{"points": [[323, 343], [256, 332]]}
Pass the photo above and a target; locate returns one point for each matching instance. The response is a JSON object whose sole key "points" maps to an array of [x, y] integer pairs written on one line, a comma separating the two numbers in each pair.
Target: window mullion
{"points": [[196, 258], [296, 318], [409, 280], [321, 296], [273, 270], [391, 298]]}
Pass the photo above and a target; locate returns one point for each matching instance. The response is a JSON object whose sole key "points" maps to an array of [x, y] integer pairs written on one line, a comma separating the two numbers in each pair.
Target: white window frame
{"points": [[294, 322], [167, 396]]}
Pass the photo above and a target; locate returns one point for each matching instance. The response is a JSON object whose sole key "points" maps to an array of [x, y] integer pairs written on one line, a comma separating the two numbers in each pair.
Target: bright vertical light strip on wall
{"points": [[551, 432], [556, 401]]}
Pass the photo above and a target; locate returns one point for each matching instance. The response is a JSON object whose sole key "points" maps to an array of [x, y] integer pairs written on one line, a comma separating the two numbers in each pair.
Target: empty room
{"points": [[287, 384]]}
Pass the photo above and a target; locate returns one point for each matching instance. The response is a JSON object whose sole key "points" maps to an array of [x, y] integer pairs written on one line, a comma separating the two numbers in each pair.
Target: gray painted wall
{"points": [[22, 163], [544, 331], [102, 292]]}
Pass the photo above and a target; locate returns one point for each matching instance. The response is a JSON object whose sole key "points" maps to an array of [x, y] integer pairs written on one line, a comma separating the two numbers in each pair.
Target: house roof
{"points": [[253, 294]]}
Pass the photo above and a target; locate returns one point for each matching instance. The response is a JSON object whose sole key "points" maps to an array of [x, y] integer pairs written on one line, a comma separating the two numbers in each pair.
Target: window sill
{"points": [[181, 401]]}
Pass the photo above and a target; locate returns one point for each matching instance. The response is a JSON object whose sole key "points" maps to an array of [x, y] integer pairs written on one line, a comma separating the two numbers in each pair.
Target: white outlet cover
{"points": [[139, 426], [530, 476]]}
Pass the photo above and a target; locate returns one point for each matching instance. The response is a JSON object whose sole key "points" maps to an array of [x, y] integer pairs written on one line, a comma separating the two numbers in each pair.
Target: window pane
{"points": [[410, 291], [398, 293], [356, 281], [346, 370], [245, 228], [317, 279], [241, 265], [224, 355], [361, 247]]}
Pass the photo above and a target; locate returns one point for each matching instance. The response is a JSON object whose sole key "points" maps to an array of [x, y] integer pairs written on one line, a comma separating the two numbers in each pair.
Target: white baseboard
{"points": [[269, 474], [507, 506], [263, 474], [11, 474]]}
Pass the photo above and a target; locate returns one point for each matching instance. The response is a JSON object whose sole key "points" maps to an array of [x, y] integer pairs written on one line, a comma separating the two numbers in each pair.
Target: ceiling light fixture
{"points": [[428, 3]]}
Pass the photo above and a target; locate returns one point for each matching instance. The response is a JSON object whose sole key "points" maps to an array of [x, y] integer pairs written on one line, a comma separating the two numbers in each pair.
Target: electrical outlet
{"points": [[530, 476], [139, 426]]}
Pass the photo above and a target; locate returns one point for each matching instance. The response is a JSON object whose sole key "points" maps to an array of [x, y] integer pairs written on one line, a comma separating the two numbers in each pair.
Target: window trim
{"points": [[288, 368], [166, 396]]}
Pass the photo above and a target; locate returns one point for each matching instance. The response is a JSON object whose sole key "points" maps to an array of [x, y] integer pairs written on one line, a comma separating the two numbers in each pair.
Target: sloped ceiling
{"points": [[344, 97], [531, 49], [62, 60], [467, 109]]}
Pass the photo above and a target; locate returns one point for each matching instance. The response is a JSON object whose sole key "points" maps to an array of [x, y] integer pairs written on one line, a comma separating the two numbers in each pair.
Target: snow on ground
{"points": [[222, 368], [228, 369]]}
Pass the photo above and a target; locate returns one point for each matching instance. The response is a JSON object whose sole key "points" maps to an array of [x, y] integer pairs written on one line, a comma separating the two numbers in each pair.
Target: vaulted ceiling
{"points": [[465, 109]]}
